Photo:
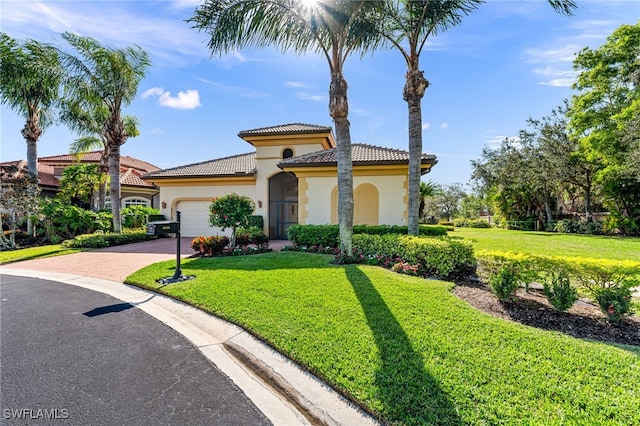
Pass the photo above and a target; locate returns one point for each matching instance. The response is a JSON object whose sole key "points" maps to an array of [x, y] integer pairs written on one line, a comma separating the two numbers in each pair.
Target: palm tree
{"points": [[104, 80], [29, 85], [87, 120], [407, 24], [333, 28]]}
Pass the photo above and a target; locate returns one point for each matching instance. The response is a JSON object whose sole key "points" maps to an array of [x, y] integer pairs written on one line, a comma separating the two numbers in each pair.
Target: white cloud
{"points": [[296, 84], [309, 97], [156, 131], [425, 126], [444, 125], [189, 99], [242, 92]]}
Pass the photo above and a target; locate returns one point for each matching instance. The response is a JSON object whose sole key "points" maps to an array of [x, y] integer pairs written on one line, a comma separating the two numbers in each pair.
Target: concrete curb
{"points": [[282, 390]]}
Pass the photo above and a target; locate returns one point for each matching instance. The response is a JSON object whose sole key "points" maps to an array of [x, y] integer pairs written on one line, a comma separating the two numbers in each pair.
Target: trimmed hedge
{"points": [[329, 235], [106, 240], [440, 257]]}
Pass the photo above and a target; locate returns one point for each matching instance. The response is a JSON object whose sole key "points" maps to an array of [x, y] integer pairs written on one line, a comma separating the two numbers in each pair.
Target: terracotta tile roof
{"points": [[94, 157], [45, 172], [285, 129], [361, 154], [235, 165], [132, 177], [46, 177]]}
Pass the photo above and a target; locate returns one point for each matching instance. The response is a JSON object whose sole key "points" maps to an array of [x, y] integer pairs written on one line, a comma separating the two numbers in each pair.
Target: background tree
{"points": [[335, 29], [105, 79], [29, 85], [231, 211], [601, 115], [19, 197], [87, 120], [407, 24], [427, 189], [79, 184], [444, 204]]}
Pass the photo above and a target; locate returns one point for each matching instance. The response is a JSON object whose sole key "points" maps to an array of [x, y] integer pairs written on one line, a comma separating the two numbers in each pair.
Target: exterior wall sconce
{"points": [[163, 204], [259, 203]]}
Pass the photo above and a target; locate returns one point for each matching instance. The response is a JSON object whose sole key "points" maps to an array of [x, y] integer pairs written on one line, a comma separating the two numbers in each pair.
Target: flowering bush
{"points": [[231, 211], [405, 268], [209, 246], [614, 302]]}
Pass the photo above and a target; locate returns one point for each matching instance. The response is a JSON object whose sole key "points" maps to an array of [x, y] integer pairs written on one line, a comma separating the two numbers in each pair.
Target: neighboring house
{"points": [[133, 189], [292, 178]]}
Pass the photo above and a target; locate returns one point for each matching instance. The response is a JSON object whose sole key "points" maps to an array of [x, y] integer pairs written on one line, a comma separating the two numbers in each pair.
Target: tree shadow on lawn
{"points": [[408, 392]]}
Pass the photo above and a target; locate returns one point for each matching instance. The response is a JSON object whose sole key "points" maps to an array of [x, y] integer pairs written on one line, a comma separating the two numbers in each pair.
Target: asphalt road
{"points": [[77, 357]]}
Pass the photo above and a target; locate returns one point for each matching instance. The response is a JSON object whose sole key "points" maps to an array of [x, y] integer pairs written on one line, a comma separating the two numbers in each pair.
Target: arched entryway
{"points": [[283, 204]]}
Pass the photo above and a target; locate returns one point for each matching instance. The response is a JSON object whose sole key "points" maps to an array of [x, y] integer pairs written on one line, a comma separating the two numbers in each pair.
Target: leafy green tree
{"points": [[102, 79], [335, 29], [603, 113], [19, 197], [79, 184], [231, 211], [29, 85]]}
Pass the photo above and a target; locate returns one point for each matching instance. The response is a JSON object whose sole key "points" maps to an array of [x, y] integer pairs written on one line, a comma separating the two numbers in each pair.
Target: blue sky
{"points": [[507, 61]]}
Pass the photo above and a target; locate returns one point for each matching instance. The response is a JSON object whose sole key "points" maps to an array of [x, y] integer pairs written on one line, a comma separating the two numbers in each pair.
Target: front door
{"points": [[283, 204]]}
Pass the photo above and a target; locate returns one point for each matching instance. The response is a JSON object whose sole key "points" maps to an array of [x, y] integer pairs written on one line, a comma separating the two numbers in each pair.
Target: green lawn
{"points": [[408, 349], [7, 256], [552, 244]]}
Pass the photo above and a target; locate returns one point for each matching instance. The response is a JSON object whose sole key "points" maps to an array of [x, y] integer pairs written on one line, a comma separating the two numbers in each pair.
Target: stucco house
{"points": [[292, 177]]}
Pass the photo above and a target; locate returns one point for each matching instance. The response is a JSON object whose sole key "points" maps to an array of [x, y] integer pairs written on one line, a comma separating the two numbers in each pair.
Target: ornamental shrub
{"points": [[136, 216], [440, 257], [614, 302], [231, 211], [251, 235], [329, 235], [209, 246], [100, 240], [559, 291], [504, 283]]}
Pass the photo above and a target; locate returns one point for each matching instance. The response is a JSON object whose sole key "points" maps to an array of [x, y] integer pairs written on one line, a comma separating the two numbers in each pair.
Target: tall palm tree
{"points": [[407, 24], [333, 28], [87, 120], [29, 85], [104, 80]]}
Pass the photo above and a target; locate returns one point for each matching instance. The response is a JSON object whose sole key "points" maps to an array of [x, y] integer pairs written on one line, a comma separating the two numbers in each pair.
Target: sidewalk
{"points": [[283, 391]]}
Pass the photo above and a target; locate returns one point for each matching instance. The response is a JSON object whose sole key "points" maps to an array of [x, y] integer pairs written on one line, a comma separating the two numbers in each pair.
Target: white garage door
{"points": [[194, 219]]}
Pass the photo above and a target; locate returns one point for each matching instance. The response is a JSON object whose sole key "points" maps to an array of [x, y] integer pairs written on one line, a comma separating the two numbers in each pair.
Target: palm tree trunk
{"points": [[414, 89], [31, 133], [339, 111], [114, 193]]}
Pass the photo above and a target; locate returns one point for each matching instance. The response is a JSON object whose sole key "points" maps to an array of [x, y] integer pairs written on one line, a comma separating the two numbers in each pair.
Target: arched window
{"points": [[287, 153]]}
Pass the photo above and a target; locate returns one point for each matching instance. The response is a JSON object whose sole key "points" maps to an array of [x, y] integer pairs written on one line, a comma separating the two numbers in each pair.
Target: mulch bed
{"points": [[582, 320]]}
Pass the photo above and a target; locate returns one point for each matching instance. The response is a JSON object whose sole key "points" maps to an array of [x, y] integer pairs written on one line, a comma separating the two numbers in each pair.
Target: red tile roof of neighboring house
{"points": [[130, 168], [235, 165], [93, 157], [286, 129], [45, 172]]}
